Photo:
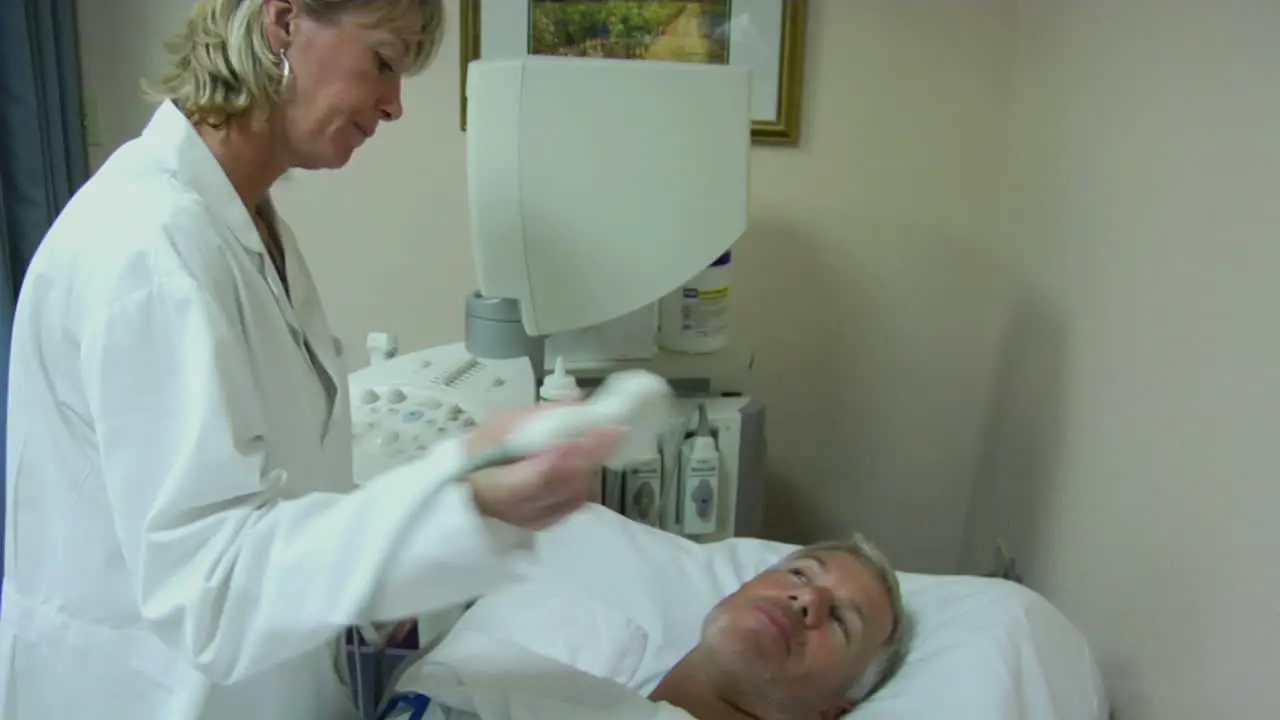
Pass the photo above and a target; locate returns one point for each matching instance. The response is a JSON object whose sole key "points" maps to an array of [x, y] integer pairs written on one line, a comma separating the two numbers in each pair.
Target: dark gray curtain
{"points": [[42, 148]]}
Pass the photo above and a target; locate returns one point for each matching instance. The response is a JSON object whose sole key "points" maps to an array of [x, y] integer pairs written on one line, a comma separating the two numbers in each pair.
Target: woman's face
{"points": [[344, 80]]}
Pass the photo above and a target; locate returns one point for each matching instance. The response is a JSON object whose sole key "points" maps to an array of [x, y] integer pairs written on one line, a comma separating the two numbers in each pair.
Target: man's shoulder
{"points": [[556, 621]]}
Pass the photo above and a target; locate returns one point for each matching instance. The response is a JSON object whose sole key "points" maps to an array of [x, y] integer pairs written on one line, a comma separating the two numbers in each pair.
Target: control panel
{"points": [[402, 405], [708, 489], [392, 424]]}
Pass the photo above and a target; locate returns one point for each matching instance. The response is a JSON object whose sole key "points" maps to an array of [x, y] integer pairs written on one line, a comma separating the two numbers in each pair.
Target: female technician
{"points": [[184, 538]]}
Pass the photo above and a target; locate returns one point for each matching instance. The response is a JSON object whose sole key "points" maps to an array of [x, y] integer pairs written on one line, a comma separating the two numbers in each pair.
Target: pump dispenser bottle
{"points": [[559, 386]]}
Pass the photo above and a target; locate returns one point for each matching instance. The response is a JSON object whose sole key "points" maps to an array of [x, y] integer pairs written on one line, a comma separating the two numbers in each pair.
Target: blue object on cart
{"points": [[377, 669]]}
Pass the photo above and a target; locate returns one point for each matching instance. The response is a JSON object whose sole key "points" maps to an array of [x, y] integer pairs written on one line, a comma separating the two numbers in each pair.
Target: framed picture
{"points": [[766, 36]]}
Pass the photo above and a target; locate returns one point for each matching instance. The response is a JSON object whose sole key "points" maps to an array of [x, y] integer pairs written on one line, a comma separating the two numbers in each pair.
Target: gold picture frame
{"points": [[783, 128]]}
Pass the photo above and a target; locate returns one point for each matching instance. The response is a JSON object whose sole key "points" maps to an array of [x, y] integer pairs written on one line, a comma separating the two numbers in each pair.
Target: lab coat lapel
{"points": [[324, 346], [198, 168]]}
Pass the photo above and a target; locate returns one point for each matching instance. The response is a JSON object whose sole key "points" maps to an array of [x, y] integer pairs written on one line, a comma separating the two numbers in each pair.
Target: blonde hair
{"points": [[223, 65]]}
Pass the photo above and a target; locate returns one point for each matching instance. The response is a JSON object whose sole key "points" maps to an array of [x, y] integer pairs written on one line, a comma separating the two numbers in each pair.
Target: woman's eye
{"points": [[798, 574], [383, 65]]}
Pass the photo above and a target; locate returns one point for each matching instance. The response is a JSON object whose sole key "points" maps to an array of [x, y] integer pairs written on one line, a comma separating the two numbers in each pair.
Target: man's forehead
{"points": [[829, 560], [844, 573]]}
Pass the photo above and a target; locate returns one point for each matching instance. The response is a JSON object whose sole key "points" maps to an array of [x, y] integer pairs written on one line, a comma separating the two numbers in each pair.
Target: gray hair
{"points": [[889, 659], [223, 66]]}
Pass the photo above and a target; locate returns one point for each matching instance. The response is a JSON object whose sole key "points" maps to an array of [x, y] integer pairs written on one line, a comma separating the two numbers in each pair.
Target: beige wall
{"points": [[1133, 455], [1110, 167]]}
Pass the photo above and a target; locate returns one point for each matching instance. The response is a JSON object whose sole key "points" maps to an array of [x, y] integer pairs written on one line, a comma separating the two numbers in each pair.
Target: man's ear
{"points": [[836, 710]]}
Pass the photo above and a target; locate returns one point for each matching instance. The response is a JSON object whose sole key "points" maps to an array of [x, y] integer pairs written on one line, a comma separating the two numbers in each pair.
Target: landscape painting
{"points": [[682, 31], [764, 36]]}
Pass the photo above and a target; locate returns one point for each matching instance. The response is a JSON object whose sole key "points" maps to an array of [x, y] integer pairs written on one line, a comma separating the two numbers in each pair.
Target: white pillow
{"points": [[981, 648], [984, 648]]}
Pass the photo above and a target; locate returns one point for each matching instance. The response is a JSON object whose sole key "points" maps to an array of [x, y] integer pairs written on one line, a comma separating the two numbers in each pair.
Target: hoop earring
{"points": [[286, 70]]}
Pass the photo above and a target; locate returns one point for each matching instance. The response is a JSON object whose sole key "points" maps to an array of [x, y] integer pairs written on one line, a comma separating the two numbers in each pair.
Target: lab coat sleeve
{"points": [[230, 569]]}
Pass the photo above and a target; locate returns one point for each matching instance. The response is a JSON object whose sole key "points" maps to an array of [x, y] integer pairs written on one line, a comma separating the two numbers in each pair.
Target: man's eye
{"points": [[798, 574], [383, 65], [841, 625]]}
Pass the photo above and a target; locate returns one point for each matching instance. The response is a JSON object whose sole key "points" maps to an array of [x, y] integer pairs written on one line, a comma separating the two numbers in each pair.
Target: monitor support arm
{"points": [[494, 332]]}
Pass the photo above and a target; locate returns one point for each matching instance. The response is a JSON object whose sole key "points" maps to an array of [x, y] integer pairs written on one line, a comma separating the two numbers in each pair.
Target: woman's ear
{"points": [[277, 19]]}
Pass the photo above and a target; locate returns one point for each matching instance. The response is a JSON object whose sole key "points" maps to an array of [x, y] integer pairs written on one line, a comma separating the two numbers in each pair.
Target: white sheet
{"points": [[623, 602], [483, 677]]}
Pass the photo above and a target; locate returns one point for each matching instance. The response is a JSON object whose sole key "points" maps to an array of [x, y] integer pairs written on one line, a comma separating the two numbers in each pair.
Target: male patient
{"points": [[806, 639], [803, 640]]}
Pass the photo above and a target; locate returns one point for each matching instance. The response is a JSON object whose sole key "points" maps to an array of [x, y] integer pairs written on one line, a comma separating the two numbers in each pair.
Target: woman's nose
{"points": [[391, 108]]}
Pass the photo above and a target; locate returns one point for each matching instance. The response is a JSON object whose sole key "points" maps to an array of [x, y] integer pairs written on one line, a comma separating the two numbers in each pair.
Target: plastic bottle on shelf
{"points": [[699, 479], [559, 386], [694, 318]]}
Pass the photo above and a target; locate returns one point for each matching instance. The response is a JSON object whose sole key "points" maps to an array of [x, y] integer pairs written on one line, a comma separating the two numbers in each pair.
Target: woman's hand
{"points": [[539, 491]]}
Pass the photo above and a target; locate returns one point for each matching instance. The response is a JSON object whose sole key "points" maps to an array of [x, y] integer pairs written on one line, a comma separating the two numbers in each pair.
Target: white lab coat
{"points": [[183, 537]]}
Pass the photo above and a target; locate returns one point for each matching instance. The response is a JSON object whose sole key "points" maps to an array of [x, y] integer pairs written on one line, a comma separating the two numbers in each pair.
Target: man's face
{"points": [[798, 636]]}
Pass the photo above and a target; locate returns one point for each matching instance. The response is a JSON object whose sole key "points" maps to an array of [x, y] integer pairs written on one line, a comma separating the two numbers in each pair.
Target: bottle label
{"points": [[705, 312], [709, 466], [645, 472]]}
